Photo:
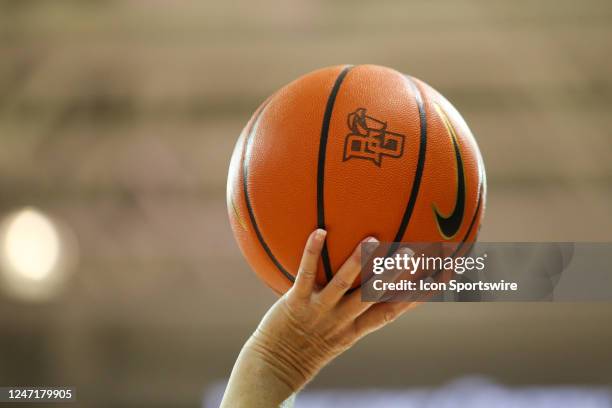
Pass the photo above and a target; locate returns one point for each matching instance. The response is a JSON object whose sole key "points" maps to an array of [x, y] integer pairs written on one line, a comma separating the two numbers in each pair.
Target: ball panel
{"points": [[282, 165], [372, 154], [440, 191], [240, 220], [473, 165], [473, 169]]}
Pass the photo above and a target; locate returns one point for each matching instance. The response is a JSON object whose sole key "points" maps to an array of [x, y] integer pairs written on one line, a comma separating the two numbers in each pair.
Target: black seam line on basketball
{"points": [[418, 174], [331, 100], [245, 174]]}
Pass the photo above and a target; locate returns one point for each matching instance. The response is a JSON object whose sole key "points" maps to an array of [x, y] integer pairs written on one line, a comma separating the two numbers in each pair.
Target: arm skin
{"points": [[303, 331]]}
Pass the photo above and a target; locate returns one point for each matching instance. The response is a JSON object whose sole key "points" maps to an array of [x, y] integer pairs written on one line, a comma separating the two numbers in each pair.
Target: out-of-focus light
{"points": [[36, 254], [31, 244]]}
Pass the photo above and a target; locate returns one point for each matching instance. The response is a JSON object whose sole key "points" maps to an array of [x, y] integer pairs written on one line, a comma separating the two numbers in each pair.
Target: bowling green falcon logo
{"points": [[369, 139]]}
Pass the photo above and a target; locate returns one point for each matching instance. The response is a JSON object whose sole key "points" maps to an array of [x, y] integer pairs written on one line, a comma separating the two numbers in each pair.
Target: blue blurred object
{"points": [[467, 392]]}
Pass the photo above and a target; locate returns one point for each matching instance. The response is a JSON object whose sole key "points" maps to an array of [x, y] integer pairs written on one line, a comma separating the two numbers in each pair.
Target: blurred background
{"points": [[120, 274]]}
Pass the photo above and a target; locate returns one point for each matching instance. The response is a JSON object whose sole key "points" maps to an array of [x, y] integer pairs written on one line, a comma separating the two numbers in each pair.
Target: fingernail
{"points": [[368, 250], [320, 233], [406, 251]]}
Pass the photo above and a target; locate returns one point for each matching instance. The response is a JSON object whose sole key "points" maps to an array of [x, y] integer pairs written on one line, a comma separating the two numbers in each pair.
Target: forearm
{"points": [[259, 380]]}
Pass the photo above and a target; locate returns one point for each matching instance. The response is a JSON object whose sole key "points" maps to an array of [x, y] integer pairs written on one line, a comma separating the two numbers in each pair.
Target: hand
{"points": [[304, 330]]}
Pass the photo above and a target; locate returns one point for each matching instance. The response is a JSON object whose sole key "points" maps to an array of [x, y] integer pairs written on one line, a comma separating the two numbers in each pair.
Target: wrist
{"points": [[291, 364]]}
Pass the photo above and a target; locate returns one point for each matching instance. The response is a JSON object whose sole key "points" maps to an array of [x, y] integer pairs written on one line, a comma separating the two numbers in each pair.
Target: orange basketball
{"points": [[359, 151]]}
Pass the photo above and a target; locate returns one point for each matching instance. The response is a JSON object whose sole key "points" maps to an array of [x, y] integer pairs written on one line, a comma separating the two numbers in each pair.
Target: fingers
{"points": [[344, 278], [307, 272], [380, 315], [354, 304]]}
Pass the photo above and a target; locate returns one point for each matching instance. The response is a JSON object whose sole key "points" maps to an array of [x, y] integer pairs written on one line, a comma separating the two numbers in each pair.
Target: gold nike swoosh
{"points": [[449, 225]]}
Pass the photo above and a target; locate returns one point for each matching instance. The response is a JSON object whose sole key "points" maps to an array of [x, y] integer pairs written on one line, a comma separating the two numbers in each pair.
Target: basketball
{"points": [[358, 151]]}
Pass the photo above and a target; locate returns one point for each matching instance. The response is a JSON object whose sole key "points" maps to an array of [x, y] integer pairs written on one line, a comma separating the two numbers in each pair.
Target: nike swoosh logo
{"points": [[449, 225]]}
